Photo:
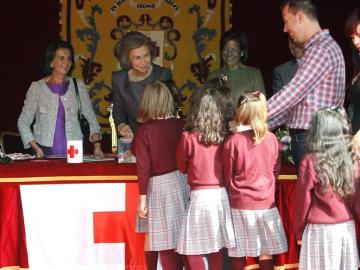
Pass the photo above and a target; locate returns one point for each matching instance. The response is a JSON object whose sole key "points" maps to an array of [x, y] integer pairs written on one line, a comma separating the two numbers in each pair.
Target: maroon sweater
{"points": [[313, 205], [202, 163], [250, 169], [154, 146]]}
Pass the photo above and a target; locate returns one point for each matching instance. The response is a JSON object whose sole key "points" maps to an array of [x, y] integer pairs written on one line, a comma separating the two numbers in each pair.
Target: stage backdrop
{"points": [[187, 35]]}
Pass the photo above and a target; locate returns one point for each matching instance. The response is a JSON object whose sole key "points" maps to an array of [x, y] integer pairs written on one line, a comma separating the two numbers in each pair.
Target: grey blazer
{"points": [[283, 74], [42, 105], [127, 95]]}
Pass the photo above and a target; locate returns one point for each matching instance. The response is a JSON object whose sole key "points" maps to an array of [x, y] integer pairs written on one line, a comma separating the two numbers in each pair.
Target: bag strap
{"points": [[77, 95]]}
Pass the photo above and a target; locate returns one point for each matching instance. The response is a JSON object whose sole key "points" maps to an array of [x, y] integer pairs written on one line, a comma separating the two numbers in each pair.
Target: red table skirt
{"points": [[12, 233], [13, 251]]}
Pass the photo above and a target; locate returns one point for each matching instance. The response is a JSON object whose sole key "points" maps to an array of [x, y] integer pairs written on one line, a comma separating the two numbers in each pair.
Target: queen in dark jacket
{"points": [[136, 54]]}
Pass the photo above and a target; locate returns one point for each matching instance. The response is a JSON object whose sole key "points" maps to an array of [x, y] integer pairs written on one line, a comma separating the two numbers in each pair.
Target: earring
{"points": [[51, 66]]}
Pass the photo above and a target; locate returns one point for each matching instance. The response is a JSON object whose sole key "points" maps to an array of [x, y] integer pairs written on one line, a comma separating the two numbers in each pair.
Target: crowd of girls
{"points": [[207, 183]]}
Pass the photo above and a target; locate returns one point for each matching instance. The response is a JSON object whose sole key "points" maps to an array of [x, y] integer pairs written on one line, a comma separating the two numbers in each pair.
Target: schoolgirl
{"points": [[324, 224], [207, 227], [251, 162], [164, 192]]}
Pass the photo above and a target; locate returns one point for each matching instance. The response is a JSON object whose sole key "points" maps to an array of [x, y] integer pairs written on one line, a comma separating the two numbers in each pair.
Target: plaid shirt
{"points": [[319, 82]]}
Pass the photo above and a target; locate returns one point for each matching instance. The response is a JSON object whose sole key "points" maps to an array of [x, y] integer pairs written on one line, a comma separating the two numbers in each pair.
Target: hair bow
{"points": [[256, 94]]}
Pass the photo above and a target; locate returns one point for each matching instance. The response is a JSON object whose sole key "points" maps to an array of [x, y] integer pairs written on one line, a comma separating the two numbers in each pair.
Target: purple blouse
{"points": [[59, 143]]}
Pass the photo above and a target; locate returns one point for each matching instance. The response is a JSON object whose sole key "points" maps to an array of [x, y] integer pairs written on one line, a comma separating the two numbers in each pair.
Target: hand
{"points": [[232, 126], [299, 242], [97, 150], [125, 131], [232, 123], [142, 206], [38, 151], [355, 144], [96, 140]]}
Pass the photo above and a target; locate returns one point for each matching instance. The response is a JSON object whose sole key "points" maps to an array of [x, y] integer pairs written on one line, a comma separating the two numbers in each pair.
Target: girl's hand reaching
{"points": [[125, 131], [142, 206]]}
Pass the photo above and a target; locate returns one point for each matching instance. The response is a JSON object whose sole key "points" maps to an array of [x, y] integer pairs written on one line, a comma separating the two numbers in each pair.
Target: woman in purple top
{"points": [[59, 145], [52, 102]]}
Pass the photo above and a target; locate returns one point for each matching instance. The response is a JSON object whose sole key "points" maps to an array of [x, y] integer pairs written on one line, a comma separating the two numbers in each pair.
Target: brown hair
{"points": [[350, 28], [226, 96], [133, 40], [307, 7], [207, 116], [177, 96], [156, 102], [45, 66], [241, 38], [252, 111]]}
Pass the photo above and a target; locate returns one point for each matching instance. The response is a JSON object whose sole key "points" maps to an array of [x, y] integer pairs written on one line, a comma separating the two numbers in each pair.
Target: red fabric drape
{"points": [[12, 230], [12, 234], [286, 205]]}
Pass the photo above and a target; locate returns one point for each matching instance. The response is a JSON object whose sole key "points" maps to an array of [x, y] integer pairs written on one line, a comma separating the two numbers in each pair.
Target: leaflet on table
{"points": [[95, 159]]}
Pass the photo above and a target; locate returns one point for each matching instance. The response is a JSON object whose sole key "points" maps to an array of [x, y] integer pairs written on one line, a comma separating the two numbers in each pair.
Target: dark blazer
{"points": [[355, 102], [127, 95], [283, 74]]}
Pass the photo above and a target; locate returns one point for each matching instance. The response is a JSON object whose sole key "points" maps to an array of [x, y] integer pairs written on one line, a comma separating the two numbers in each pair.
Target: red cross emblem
{"points": [[72, 151], [119, 227]]}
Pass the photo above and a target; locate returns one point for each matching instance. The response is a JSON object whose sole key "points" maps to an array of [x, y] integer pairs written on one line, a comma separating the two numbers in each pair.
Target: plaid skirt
{"points": [[208, 226], [258, 232], [329, 246], [168, 196]]}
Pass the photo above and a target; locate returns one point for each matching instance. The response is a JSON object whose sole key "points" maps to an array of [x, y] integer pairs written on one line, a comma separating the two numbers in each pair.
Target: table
{"points": [[53, 187]]}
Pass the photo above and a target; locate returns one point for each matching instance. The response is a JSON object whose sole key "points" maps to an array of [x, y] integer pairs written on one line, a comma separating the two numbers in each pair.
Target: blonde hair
{"points": [[252, 111], [156, 102]]}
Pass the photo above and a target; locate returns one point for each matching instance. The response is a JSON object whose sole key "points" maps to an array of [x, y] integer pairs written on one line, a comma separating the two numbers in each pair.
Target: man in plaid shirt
{"points": [[319, 81]]}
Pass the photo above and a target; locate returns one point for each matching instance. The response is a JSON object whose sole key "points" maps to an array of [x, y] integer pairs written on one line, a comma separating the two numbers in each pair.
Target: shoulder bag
{"points": [[84, 123]]}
